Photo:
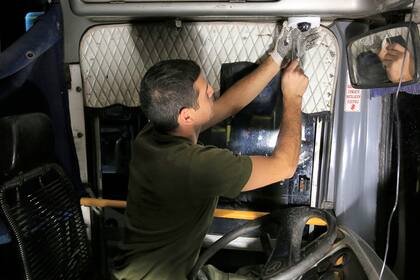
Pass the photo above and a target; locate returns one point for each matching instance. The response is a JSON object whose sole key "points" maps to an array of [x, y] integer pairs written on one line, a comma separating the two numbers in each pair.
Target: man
{"points": [[175, 182]]}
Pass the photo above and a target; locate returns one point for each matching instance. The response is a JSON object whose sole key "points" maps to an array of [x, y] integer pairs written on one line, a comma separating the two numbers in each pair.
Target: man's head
{"points": [[166, 89]]}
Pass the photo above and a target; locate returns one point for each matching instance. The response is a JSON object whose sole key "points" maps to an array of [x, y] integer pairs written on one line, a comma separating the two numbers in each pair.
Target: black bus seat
{"points": [[111, 131], [39, 203], [249, 133]]}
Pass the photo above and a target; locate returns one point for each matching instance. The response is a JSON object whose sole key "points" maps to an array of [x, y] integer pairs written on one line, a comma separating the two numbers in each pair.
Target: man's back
{"points": [[173, 190]]}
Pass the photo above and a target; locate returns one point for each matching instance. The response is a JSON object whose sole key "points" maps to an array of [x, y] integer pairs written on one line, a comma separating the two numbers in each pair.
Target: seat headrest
{"points": [[265, 101], [370, 69], [26, 142]]}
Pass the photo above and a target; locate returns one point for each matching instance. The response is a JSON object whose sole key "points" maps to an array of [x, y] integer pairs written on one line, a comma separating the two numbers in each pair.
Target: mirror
{"points": [[375, 58]]}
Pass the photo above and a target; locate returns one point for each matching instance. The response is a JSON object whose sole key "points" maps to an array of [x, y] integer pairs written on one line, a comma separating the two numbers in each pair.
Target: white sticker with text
{"points": [[353, 98]]}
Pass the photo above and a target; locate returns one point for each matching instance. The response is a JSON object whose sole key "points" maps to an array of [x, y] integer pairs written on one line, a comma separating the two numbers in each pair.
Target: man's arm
{"points": [[243, 91], [283, 162]]}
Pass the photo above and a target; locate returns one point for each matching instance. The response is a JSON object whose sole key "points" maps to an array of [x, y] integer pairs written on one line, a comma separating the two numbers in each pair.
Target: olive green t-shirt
{"points": [[173, 190]]}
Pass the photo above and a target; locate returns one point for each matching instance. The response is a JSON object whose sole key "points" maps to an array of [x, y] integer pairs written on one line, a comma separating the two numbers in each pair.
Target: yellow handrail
{"points": [[218, 213]]}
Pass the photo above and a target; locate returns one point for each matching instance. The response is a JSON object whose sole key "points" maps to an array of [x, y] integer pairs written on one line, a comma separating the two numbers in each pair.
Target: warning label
{"points": [[353, 99]]}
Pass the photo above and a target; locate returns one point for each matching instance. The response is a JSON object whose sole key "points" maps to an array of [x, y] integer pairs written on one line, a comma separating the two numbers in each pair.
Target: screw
{"points": [[30, 54]]}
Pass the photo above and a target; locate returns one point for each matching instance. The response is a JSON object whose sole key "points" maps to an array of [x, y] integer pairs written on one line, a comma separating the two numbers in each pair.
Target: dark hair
{"points": [[166, 88]]}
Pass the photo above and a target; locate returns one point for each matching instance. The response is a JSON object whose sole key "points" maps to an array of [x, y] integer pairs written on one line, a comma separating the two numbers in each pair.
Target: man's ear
{"points": [[185, 117]]}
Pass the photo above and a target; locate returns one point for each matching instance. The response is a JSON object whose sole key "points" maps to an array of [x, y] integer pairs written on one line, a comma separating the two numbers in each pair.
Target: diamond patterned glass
{"points": [[115, 57]]}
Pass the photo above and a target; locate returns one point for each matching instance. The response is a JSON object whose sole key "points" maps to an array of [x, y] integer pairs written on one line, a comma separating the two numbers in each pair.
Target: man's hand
{"points": [[294, 41], [392, 56], [294, 82]]}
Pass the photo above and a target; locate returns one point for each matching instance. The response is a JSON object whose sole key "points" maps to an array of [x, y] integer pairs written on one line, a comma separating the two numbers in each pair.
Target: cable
{"points": [[398, 128]]}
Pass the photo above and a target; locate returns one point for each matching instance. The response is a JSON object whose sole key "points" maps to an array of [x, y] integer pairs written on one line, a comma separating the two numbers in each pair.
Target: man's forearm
{"points": [[283, 162], [289, 138]]}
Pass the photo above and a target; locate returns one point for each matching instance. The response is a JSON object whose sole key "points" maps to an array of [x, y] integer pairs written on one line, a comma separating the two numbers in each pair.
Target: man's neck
{"points": [[188, 133]]}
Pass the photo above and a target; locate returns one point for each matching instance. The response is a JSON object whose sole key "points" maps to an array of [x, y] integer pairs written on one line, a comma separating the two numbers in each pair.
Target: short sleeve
{"points": [[218, 172]]}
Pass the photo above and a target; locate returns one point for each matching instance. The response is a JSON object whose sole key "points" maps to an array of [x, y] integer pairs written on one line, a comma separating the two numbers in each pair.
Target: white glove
{"points": [[307, 40], [283, 44], [294, 42]]}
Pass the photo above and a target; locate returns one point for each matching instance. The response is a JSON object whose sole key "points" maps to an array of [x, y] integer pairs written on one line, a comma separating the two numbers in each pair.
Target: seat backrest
{"points": [[253, 129], [39, 203], [113, 129]]}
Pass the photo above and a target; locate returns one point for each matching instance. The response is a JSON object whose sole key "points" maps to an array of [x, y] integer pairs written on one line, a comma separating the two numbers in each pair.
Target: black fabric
{"points": [[230, 73], [259, 120], [265, 102], [253, 131], [27, 142], [249, 130], [43, 72], [118, 127], [30, 45], [370, 69]]}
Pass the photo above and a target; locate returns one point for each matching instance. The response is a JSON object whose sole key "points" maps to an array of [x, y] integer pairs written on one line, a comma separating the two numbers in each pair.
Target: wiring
{"points": [[398, 132]]}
